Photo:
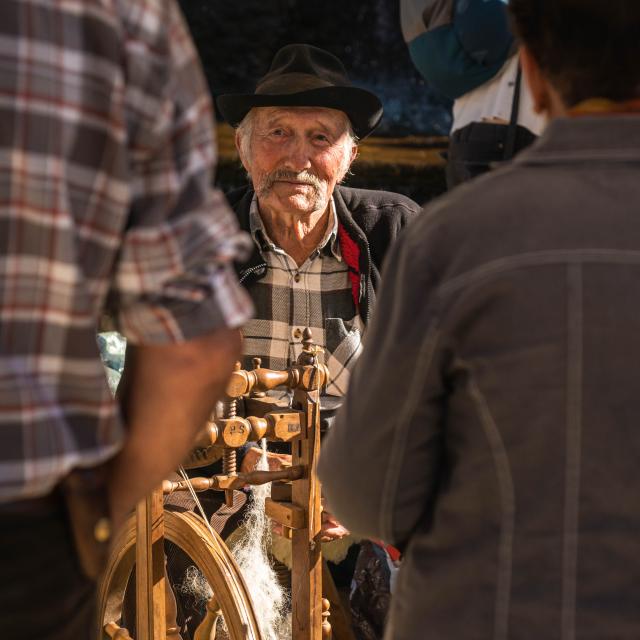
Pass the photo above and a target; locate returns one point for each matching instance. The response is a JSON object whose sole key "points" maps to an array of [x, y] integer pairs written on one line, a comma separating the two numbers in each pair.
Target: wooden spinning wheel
{"points": [[231, 599], [141, 541]]}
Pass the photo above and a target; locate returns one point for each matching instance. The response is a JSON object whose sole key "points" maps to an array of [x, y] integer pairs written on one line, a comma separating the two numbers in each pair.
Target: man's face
{"points": [[296, 156]]}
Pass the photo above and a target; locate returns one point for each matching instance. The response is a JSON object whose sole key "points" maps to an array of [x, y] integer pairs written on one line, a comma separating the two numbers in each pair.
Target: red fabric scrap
{"points": [[351, 255]]}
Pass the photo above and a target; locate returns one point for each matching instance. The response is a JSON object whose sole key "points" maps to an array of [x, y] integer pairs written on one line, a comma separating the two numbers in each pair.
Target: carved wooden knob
{"points": [[307, 338], [234, 432], [239, 383], [258, 428]]}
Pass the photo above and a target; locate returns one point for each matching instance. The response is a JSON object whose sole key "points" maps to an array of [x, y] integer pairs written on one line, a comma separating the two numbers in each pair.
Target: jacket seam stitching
{"points": [[538, 258], [573, 441], [507, 501], [414, 394]]}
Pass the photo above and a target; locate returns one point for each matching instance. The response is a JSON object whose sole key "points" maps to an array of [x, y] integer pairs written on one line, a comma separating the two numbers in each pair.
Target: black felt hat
{"points": [[304, 76]]}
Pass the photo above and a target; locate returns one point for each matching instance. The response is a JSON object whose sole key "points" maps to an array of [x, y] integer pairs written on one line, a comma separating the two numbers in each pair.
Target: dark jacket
{"points": [[508, 336], [371, 219]]}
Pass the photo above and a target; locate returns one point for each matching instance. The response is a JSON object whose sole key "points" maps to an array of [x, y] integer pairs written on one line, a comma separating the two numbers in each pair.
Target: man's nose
{"points": [[298, 156]]}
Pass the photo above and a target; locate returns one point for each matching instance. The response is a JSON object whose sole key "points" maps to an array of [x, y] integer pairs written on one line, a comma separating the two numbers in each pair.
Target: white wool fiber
{"points": [[270, 600], [195, 585]]}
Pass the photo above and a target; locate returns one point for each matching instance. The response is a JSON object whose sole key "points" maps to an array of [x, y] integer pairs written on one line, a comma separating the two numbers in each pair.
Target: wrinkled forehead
{"points": [[332, 119]]}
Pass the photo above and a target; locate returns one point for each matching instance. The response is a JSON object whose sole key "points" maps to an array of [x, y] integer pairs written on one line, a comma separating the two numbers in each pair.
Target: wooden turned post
{"points": [[150, 569], [207, 628], [229, 458], [340, 615], [116, 632], [171, 609], [326, 625], [306, 576]]}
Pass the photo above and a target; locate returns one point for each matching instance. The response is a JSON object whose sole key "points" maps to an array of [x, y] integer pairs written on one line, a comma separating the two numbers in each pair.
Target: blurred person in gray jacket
{"points": [[507, 331]]}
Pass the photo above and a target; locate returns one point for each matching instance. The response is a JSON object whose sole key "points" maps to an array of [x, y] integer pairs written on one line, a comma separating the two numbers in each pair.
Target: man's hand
{"points": [[167, 394], [331, 529], [277, 461]]}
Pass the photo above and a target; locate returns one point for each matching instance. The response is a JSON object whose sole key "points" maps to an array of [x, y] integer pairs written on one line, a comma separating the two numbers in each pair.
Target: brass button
{"points": [[297, 333], [297, 277]]}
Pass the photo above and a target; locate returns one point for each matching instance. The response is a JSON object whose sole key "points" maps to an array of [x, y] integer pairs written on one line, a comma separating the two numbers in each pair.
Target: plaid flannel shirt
{"points": [[106, 155], [318, 295]]}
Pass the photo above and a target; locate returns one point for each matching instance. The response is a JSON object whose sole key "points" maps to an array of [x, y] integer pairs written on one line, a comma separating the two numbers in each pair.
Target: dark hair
{"points": [[586, 48]]}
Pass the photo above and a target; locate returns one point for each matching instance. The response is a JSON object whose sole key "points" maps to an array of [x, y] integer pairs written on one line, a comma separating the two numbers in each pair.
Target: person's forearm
{"points": [[167, 394]]}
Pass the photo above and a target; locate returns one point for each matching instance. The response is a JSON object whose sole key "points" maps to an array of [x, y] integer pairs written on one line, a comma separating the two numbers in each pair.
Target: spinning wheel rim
{"points": [[210, 555]]}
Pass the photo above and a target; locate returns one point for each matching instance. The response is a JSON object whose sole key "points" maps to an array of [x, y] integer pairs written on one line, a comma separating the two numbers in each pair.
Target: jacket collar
{"points": [[610, 139]]}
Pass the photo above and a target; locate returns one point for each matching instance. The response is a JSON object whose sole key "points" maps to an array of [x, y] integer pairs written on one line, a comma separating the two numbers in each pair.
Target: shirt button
{"points": [[297, 277], [297, 333]]}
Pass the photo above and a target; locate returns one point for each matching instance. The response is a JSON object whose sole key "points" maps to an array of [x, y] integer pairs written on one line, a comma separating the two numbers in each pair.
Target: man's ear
{"points": [[354, 153], [348, 162], [538, 85], [546, 98]]}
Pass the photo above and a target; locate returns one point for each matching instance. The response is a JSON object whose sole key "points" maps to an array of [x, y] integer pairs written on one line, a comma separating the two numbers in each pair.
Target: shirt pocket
{"points": [[343, 344]]}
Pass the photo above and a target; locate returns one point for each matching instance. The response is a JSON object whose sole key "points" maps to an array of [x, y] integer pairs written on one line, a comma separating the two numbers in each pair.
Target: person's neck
{"points": [[605, 107], [298, 235]]}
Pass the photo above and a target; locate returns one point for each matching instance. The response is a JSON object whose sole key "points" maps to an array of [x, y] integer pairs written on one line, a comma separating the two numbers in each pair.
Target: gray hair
{"points": [[245, 131]]}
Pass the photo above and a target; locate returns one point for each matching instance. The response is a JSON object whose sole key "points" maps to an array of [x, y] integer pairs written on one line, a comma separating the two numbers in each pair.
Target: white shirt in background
{"points": [[494, 99]]}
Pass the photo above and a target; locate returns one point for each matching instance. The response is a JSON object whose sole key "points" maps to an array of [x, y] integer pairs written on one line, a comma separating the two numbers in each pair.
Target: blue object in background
{"points": [[460, 55], [483, 30], [112, 348]]}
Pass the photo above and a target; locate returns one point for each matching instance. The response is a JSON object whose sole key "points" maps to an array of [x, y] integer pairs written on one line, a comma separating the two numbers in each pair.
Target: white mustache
{"points": [[303, 177]]}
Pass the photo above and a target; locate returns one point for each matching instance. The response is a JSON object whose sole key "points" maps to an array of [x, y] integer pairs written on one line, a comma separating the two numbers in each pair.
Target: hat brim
{"points": [[363, 108]]}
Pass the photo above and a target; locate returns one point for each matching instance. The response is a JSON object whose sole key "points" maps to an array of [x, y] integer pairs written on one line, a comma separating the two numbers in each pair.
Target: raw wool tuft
{"points": [[251, 551], [195, 585]]}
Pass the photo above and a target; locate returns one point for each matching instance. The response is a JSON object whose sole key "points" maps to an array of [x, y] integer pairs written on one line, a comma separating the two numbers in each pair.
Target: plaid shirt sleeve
{"points": [[174, 278], [106, 158]]}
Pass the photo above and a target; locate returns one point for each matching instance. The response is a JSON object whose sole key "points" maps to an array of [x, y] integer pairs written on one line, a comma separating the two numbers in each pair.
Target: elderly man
{"points": [[318, 246]]}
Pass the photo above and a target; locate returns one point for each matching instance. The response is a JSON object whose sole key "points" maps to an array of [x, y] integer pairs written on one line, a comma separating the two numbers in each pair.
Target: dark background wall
{"points": [[237, 39]]}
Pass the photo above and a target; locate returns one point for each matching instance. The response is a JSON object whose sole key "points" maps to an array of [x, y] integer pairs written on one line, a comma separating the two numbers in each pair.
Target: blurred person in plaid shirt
{"points": [[106, 155]]}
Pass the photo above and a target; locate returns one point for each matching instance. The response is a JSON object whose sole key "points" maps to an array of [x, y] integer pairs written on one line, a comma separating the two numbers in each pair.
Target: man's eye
{"points": [[277, 133], [320, 137]]}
